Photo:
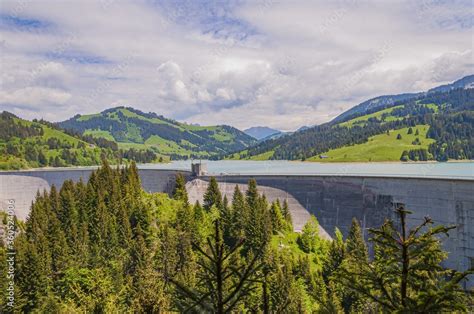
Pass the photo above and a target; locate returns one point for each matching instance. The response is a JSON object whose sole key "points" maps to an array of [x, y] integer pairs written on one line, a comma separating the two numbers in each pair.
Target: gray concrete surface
{"points": [[197, 187]]}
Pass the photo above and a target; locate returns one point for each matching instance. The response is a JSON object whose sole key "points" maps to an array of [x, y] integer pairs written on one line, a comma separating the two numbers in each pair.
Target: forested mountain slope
{"points": [[389, 100], [132, 128], [27, 144], [433, 126]]}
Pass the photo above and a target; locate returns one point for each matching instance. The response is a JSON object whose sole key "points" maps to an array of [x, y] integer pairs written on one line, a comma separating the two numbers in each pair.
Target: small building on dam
{"points": [[333, 199]]}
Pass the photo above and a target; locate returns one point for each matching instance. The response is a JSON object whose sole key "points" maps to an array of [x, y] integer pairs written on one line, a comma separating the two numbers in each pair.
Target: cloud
{"points": [[35, 96], [244, 63]]}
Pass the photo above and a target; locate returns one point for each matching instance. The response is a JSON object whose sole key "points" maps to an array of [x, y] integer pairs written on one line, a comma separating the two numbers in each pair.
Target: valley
{"points": [[437, 125]]}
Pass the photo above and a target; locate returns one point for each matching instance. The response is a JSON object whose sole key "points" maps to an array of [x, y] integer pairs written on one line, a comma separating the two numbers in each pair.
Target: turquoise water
{"points": [[461, 170]]}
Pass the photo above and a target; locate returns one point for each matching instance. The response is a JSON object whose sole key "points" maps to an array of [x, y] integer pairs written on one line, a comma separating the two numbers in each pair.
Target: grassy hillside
{"points": [[362, 120], [132, 128], [239, 156], [31, 144], [382, 147], [445, 122], [34, 144]]}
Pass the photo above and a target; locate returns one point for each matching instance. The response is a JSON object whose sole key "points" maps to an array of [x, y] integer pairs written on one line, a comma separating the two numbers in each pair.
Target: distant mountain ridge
{"points": [[433, 125], [261, 132], [386, 100], [132, 128]]}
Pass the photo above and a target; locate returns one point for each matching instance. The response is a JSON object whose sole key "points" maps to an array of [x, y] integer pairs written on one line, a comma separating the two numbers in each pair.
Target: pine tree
{"points": [[213, 196], [309, 237], [356, 252], [241, 214], [187, 233], [223, 285], [405, 274], [180, 192], [285, 210], [336, 254], [252, 196], [278, 221], [68, 215], [228, 223], [258, 227], [355, 244]]}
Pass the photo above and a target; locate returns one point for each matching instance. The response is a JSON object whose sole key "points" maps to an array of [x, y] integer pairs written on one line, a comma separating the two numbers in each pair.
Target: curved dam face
{"points": [[196, 189], [334, 200]]}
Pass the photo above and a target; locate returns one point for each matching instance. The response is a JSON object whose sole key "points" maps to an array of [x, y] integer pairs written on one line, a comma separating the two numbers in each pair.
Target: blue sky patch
{"points": [[23, 23], [77, 57]]}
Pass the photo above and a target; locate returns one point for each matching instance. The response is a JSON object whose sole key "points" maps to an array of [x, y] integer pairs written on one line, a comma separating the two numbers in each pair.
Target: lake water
{"points": [[461, 170]]}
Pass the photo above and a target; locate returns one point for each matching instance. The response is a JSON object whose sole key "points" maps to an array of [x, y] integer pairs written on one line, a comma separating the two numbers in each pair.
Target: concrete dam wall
{"points": [[334, 200], [23, 185]]}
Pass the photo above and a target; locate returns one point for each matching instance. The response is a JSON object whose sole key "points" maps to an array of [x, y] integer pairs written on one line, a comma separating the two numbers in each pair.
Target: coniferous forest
{"points": [[451, 128], [106, 246]]}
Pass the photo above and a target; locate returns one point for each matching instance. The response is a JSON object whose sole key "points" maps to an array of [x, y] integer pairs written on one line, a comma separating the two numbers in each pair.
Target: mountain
{"points": [[274, 136], [261, 132], [29, 144], [389, 100], [132, 128], [465, 83], [435, 125], [375, 103], [302, 128]]}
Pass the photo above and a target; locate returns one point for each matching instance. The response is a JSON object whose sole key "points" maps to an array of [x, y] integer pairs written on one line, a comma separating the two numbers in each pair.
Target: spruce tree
{"points": [[241, 213], [258, 227], [405, 274], [223, 285], [180, 192], [285, 210], [252, 196], [278, 222], [356, 252], [309, 237], [355, 244], [335, 257], [213, 196], [68, 214]]}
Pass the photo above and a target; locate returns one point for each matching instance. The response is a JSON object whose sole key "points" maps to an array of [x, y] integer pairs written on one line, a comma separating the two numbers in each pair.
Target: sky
{"points": [[282, 64]]}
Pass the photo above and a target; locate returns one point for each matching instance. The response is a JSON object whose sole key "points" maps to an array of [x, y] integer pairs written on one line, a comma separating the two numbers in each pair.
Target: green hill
{"points": [[131, 128], [441, 123], [27, 144], [382, 147]]}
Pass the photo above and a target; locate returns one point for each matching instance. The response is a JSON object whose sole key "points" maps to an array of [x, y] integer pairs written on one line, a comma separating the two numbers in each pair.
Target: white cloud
{"points": [[281, 64], [35, 96]]}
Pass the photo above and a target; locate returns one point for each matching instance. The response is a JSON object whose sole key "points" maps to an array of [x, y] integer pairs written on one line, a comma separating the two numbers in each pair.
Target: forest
{"points": [[107, 246], [451, 126], [129, 125], [25, 144]]}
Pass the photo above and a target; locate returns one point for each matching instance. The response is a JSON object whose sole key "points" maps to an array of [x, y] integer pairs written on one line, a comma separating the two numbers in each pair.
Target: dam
{"points": [[333, 199]]}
